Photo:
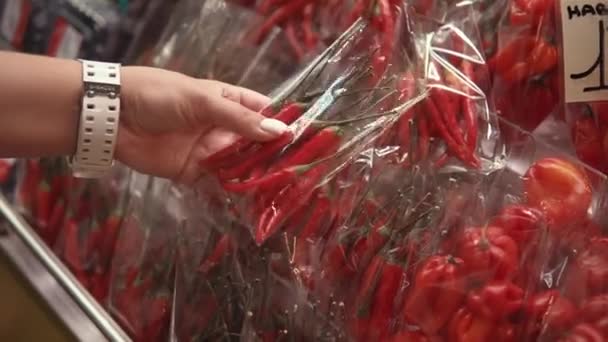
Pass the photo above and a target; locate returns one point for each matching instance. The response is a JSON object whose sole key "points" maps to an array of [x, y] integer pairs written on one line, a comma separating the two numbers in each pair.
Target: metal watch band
{"points": [[100, 114]]}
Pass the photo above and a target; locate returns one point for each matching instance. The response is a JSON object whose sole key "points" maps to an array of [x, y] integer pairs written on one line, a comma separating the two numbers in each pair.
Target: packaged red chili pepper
{"points": [[143, 263], [336, 107], [211, 39]]}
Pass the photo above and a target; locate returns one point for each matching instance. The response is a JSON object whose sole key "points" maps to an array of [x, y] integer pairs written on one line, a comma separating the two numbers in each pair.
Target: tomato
{"points": [[559, 188]]}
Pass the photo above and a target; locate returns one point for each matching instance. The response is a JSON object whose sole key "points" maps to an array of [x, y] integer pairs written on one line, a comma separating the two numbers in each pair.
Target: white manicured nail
{"points": [[272, 126]]}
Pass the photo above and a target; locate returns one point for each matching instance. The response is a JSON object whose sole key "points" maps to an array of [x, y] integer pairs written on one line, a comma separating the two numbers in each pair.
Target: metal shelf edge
{"points": [[80, 312]]}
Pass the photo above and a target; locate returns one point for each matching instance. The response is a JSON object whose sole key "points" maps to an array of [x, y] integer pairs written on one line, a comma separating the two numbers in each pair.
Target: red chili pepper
{"points": [[310, 36], [424, 138], [294, 41], [288, 114], [5, 168], [265, 153], [43, 205], [437, 292], [31, 179], [550, 311], [594, 310], [496, 300], [287, 202], [444, 103], [318, 219], [489, 254], [369, 245], [383, 307], [265, 6], [469, 111], [521, 222], [357, 11], [280, 15], [466, 326], [111, 230], [460, 150], [269, 182], [72, 252], [383, 56], [100, 286], [584, 332], [58, 187], [55, 222], [325, 143], [221, 250], [157, 311]]}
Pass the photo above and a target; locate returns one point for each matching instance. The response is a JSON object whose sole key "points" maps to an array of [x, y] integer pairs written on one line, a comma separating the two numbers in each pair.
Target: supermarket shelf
{"points": [[85, 319]]}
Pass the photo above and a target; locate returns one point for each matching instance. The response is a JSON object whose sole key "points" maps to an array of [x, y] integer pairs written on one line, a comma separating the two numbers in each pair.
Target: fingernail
{"points": [[274, 127]]}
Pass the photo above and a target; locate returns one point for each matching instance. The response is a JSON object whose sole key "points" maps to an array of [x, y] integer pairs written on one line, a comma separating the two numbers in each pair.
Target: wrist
{"points": [[99, 117]]}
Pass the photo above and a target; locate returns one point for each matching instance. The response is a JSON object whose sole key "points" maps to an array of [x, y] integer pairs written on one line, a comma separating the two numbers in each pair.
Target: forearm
{"points": [[39, 105]]}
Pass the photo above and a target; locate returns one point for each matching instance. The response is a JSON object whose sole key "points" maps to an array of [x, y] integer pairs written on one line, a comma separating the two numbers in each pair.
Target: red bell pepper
{"points": [[588, 142], [488, 254], [505, 332], [595, 311], [496, 300], [437, 292], [589, 274], [412, 336], [521, 222], [550, 311], [465, 326]]}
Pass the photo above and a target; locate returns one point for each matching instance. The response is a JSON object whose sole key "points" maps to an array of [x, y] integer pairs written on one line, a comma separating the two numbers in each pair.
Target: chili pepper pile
{"points": [[82, 222]]}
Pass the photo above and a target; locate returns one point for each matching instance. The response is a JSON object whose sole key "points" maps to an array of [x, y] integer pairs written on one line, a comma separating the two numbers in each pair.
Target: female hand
{"points": [[170, 122]]}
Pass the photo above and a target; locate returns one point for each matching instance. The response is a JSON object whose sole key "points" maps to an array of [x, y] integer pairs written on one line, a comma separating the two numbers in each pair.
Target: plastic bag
{"points": [[524, 64], [143, 265], [339, 104], [210, 40]]}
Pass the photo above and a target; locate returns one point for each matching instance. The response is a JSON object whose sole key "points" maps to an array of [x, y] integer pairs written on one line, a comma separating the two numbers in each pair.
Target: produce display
{"points": [[434, 184]]}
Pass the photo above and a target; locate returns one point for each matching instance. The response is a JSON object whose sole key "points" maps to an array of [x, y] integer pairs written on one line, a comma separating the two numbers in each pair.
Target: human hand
{"points": [[169, 121]]}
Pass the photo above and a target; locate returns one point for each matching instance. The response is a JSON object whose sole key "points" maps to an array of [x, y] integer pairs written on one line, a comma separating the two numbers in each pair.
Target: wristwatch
{"points": [[99, 117]]}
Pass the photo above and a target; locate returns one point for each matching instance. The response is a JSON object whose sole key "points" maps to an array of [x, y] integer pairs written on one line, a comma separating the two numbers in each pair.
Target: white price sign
{"points": [[584, 26]]}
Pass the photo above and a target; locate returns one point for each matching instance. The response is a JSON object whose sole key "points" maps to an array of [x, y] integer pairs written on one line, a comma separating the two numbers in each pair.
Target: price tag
{"points": [[584, 30], [14, 21]]}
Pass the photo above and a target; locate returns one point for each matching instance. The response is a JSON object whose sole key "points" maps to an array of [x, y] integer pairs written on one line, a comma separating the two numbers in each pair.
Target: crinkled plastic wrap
{"points": [[211, 39], [523, 61], [338, 104], [143, 264], [339, 263], [78, 219]]}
